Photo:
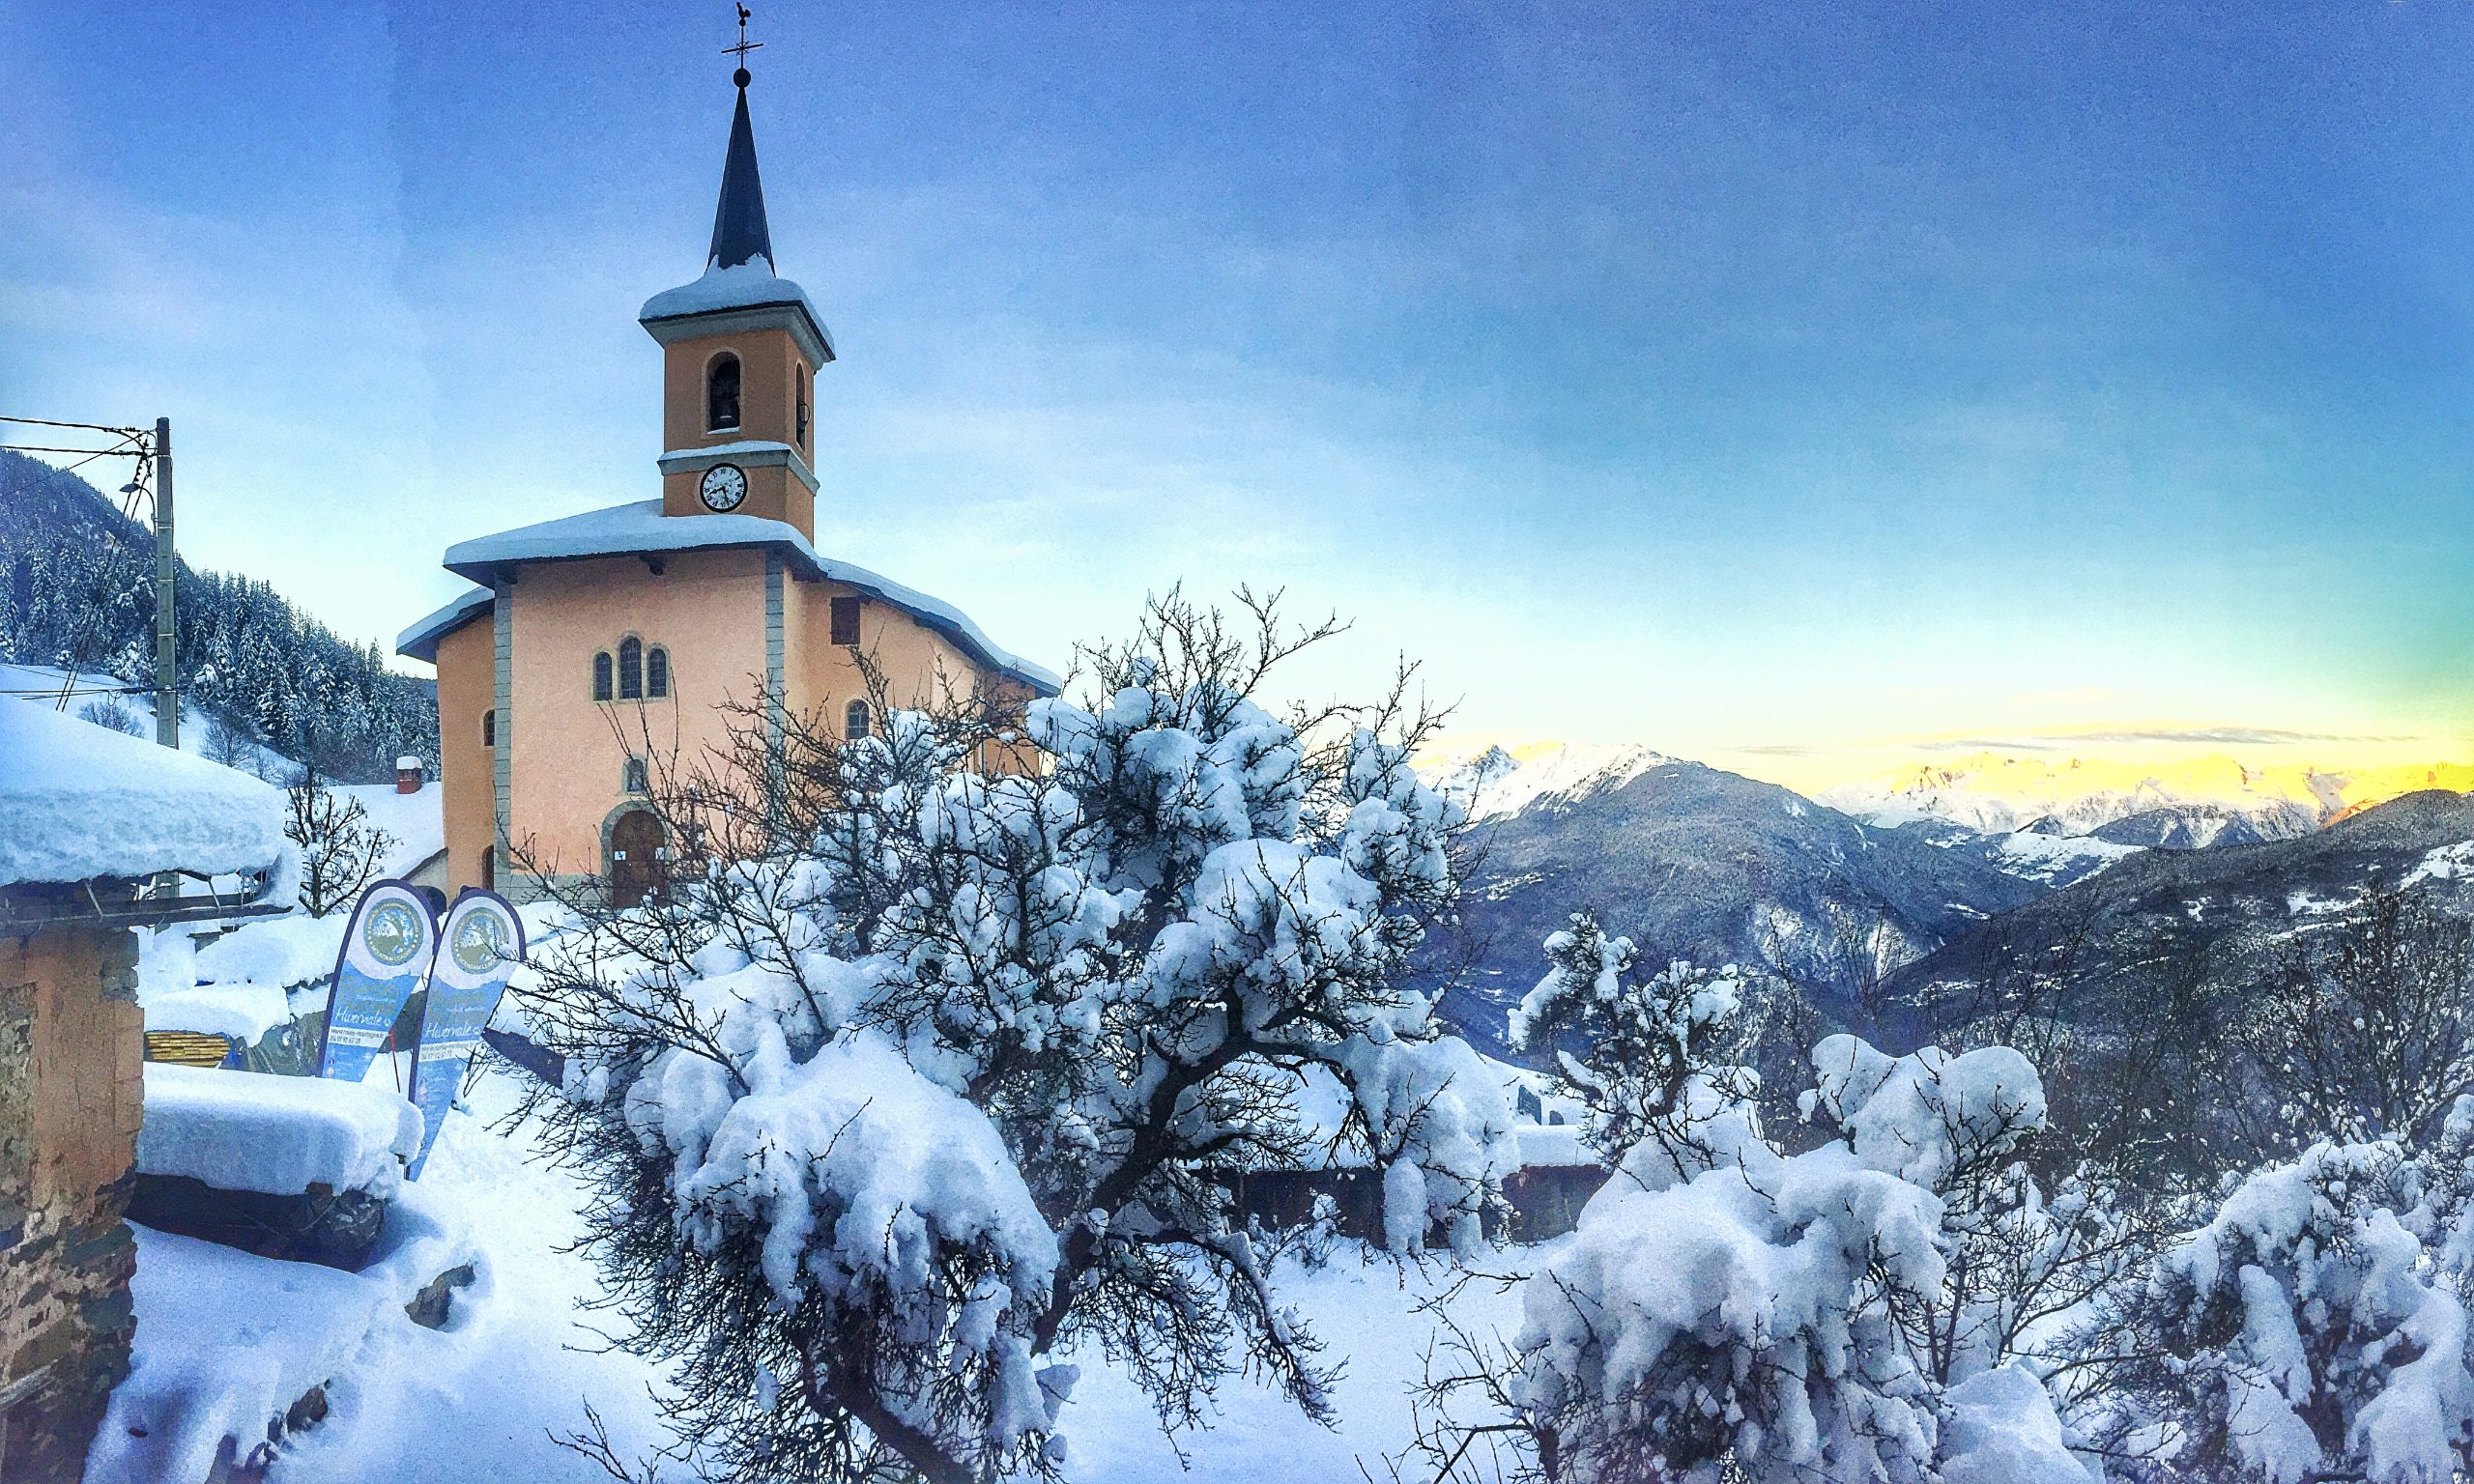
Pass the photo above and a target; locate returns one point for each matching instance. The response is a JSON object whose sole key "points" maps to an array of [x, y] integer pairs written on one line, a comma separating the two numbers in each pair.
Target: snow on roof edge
{"points": [[742, 286], [420, 641], [639, 526], [82, 802]]}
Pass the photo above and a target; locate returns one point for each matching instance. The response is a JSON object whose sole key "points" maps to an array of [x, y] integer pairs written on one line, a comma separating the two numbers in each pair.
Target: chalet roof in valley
{"points": [[640, 529]]}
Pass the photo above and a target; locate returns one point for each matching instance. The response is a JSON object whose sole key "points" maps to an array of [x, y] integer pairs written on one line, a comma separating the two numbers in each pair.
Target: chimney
{"points": [[407, 775]]}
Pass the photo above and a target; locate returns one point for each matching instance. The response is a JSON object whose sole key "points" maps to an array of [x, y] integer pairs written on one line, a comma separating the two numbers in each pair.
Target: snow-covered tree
{"points": [[2311, 1332], [342, 847], [2366, 1031], [1651, 1058], [1761, 1316], [1856, 1312], [922, 1072], [232, 746]]}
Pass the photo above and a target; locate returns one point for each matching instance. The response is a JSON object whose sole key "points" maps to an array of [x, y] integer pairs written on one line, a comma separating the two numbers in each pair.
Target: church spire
{"points": [[739, 231]]}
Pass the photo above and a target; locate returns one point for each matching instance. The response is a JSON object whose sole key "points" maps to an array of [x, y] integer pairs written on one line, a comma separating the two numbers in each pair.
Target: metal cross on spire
{"points": [[742, 50]]}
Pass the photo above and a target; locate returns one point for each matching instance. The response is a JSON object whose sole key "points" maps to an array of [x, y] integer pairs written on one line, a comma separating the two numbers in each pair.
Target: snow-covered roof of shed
{"points": [[639, 528], [79, 801]]}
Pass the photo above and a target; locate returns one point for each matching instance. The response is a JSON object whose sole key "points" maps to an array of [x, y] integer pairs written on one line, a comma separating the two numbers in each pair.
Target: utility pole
{"points": [[168, 678]]}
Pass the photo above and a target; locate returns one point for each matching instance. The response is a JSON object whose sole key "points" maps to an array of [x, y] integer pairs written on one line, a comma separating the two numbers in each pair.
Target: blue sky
{"points": [[1715, 376]]}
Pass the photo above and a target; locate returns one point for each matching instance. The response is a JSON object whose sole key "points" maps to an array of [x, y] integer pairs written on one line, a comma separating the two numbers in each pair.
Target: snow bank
{"points": [[1999, 1428], [277, 951], [240, 1130], [81, 801], [227, 1341], [416, 822]]}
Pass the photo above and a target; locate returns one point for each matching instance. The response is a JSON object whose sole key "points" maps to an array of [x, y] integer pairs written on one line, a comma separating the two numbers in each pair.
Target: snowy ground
{"points": [[479, 1400]]}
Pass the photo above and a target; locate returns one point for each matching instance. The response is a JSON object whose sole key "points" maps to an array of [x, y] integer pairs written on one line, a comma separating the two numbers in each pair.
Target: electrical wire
{"points": [[50, 423]]}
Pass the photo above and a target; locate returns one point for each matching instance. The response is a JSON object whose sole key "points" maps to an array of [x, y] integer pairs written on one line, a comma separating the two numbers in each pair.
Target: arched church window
{"points": [[801, 409], [636, 777], [631, 669], [855, 720], [601, 675], [657, 673], [490, 728], [720, 394]]}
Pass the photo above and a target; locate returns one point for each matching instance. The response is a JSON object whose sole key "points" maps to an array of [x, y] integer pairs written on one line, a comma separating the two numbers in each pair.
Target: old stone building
{"points": [[590, 640], [91, 821]]}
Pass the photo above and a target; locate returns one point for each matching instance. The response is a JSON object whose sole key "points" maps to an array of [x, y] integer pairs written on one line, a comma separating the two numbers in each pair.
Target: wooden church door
{"points": [[635, 858]]}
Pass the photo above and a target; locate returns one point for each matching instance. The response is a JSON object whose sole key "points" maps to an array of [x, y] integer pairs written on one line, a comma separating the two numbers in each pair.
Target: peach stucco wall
{"points": [[568, 769], [769, 365], [466, 682], [823, 677], [707, 609]]}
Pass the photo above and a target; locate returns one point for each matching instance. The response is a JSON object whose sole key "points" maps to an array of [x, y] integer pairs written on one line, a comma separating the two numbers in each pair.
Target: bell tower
{"points": [[740, 350]]}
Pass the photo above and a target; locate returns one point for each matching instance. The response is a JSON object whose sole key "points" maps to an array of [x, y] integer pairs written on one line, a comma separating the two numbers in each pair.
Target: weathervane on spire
{"points": [[742, 50]]}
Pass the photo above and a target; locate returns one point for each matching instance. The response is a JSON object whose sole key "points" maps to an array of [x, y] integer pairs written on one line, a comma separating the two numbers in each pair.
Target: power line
{"points": [[52, 422], [46, 448]]}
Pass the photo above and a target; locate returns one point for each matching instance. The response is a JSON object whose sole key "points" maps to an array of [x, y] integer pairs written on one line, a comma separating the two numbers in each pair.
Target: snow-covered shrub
{"points": [[2364, 1032], [1770, 1315], [340, 846], [919, 1071], [2020, 1261], [1649, 1057], [2312, 1334], [113, 712]]}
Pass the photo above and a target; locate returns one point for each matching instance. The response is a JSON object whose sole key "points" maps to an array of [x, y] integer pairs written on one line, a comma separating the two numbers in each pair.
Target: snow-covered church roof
{"points": [[640, 528], [79, 801]]}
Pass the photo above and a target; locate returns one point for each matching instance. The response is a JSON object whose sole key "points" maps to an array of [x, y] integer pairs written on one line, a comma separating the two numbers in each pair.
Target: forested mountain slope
{"points": [[2224, 907], [1692, 862], [78, 592]]}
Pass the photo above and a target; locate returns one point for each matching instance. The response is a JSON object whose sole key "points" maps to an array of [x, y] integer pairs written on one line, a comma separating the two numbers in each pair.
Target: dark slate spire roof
{"points": [[740, 233]]}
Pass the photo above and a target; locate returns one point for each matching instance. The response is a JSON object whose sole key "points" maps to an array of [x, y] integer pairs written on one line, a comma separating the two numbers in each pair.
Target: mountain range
{"points": [[1877, 889], [2204, 800]]}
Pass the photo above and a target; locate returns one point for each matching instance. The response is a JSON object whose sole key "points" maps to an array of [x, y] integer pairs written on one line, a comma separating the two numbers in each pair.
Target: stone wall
{"points": [[71, 1094]]}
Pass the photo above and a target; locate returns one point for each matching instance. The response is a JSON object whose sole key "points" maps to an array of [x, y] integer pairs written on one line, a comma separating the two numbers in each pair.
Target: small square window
{"points": [[846, 620]]}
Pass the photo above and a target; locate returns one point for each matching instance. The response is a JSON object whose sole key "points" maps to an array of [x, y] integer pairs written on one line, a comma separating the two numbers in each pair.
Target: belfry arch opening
{"points": [[720, 394]]}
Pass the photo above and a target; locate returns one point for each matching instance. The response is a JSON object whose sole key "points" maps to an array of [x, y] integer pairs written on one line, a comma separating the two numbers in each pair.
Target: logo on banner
{"points": [[481, 942], [393, 933]]}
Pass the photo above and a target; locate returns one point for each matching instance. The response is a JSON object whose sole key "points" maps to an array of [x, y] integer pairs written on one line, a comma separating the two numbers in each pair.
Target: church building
{"points": [[583, 637]]}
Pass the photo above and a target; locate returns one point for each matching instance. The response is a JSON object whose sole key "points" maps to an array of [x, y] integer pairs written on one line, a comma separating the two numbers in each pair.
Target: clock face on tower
{"points": [[724, 487]]}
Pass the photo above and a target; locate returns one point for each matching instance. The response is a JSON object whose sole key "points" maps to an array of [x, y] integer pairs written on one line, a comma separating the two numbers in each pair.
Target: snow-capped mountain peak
{"points": [[1505, 781], [2186, 802]]}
